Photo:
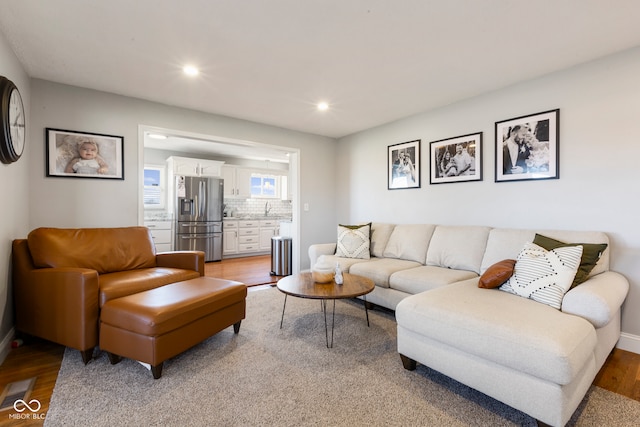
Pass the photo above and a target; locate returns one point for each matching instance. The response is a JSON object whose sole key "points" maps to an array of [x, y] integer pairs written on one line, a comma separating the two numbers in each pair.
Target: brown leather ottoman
{"points": [[158, 324]]}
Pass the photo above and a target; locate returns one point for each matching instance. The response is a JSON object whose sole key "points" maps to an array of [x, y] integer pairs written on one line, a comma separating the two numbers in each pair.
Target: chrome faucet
{"points": [[267, 208]]}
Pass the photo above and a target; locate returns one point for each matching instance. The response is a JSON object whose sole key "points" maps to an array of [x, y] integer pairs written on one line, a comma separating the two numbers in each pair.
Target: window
{"points": [[154, 194], [264, 186]]}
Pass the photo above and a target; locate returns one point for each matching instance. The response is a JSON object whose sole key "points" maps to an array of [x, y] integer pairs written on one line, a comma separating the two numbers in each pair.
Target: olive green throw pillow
{"points": [[590, 255]]}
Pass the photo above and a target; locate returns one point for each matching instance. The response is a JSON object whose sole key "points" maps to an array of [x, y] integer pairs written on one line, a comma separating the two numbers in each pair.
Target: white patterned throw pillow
{"points": [[544, 276], [354, 241]]}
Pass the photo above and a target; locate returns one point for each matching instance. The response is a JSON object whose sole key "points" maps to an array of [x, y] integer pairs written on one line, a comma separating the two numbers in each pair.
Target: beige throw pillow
{"points": [[354, 241]]}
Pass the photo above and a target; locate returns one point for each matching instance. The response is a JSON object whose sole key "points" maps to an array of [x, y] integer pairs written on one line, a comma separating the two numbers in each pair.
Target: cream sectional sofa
{"points": [[529, 355]]}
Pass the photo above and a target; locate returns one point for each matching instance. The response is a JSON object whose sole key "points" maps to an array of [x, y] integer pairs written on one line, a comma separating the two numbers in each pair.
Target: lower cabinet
{"points": [[248, 237], [268, 229], [229, 237], [161, 234]]}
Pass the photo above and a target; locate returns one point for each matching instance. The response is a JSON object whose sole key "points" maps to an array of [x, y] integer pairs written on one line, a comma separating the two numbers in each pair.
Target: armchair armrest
{"points": [[58, 304], [187, 260], [318, 249], [598, 299]]}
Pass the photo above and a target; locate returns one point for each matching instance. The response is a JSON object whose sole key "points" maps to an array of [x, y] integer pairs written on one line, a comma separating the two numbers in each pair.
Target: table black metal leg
{"points": [[326, 330], [366, 311], [283, 307], [333, 322]]}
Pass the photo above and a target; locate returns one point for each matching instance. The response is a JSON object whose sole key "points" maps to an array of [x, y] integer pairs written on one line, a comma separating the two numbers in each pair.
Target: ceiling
{"points": [[220, 147], [373, 61]]}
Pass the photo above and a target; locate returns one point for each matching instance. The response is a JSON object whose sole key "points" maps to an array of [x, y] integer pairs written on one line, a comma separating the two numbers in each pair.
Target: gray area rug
{"points": [[267, 376]]}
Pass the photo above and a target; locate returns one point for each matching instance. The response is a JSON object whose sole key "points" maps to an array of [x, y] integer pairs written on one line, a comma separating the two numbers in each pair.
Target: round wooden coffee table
{"points": [[302, 286]]}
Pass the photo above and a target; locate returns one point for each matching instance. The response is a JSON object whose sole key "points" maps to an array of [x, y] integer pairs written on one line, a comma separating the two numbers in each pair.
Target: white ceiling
{"points": [[203, 145], [374, 61]]}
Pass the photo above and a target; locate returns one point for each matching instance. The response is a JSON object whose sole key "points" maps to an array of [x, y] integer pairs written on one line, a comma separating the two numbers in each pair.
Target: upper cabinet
{"points": [[237, 182], [241, 182], [195, 167]]}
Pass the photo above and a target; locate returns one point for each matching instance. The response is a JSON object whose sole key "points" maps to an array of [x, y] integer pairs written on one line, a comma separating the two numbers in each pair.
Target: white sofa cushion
{"points": [[409, 241], [460, 248], [419, 279], [502, 328], [345, 263], [380, 234], [379, 271]]}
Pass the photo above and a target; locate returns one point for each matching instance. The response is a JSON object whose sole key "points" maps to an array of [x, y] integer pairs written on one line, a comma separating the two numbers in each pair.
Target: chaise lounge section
{"points": [[534, 357]]}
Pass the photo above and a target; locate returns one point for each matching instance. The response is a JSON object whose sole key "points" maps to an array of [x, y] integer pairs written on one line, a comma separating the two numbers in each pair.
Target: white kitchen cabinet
{"points": [[229, 237], [268, 229], [237, 182], [284, 229], [248, 236], [161, 232], [229, 177], [195, 167], [285, 193], [211, 168]]}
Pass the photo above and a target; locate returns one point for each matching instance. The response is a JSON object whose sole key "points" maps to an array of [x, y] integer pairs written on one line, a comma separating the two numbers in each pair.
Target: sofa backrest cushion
{"points": [[458, 247], [380, 234], [409, 241], [506, 243], [105, 250]]}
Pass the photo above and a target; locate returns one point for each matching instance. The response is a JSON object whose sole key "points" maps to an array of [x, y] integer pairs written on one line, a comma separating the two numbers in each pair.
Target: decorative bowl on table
{"points": [[322, 273]]}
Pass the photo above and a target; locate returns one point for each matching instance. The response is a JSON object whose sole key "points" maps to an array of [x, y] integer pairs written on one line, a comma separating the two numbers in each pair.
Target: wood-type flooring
{"points": [[620, 373]]}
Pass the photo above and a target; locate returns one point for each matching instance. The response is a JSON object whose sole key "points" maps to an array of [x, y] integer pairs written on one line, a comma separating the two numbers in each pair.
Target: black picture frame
{"points": [[403, 165], [64, 160], [457, 159], [528, 147]]}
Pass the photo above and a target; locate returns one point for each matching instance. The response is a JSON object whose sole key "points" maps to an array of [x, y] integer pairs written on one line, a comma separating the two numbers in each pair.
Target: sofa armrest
{"points": [[318, 249], [186, 260], [58, 304], [598, 299]]}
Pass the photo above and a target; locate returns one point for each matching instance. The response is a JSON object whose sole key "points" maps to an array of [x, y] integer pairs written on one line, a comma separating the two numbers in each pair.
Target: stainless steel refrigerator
{"points": [[198, 215]]}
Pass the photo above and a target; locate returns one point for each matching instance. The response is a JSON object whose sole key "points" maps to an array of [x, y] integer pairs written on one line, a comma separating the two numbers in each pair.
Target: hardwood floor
{"points": [[255, 270], [620, 373]]}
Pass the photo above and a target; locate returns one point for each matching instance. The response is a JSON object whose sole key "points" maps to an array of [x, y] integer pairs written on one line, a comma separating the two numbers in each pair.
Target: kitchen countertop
{"points": [[256, 218], [158, 217]]}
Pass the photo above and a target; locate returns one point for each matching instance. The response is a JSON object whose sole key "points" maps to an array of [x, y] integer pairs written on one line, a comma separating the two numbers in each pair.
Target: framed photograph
{"points": [[84, 155], [527, 147], [456, 159], [404, 165]]}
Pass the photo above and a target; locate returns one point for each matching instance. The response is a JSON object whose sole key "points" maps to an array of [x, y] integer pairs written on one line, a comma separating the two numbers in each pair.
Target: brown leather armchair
{"points": [[62, 277]]}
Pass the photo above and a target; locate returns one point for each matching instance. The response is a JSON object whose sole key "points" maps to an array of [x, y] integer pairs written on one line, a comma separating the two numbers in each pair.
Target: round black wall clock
{"points": [[13, 131]]}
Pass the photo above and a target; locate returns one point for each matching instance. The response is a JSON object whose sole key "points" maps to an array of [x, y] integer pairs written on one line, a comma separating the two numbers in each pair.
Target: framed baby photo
{"points": [[403, 165], [527, 147], [457, 159], [73, 154]]}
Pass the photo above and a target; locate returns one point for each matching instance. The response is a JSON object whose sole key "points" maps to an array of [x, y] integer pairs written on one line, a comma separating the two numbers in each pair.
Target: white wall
{"points": [[73, 202], [14, 190], [599, 151]]}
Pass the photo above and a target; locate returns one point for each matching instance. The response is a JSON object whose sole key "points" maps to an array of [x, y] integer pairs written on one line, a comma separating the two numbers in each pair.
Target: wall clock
{"points": [[13, 131]]}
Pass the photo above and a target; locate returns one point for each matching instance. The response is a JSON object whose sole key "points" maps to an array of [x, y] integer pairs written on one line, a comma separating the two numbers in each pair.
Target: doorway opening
{"points": [[156, 145]]}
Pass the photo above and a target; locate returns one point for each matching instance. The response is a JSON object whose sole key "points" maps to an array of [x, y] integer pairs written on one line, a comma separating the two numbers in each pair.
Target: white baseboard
{"points": [[629, 342], [5, 345]]}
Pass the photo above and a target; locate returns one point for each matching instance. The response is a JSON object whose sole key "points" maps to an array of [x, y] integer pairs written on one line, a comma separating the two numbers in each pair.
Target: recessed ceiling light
{"points": [[190, 70], [157, 136], [323, 106]]}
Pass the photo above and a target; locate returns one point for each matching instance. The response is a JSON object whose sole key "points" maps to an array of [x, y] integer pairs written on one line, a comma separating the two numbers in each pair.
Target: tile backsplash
{"points": [[256, 207]]}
